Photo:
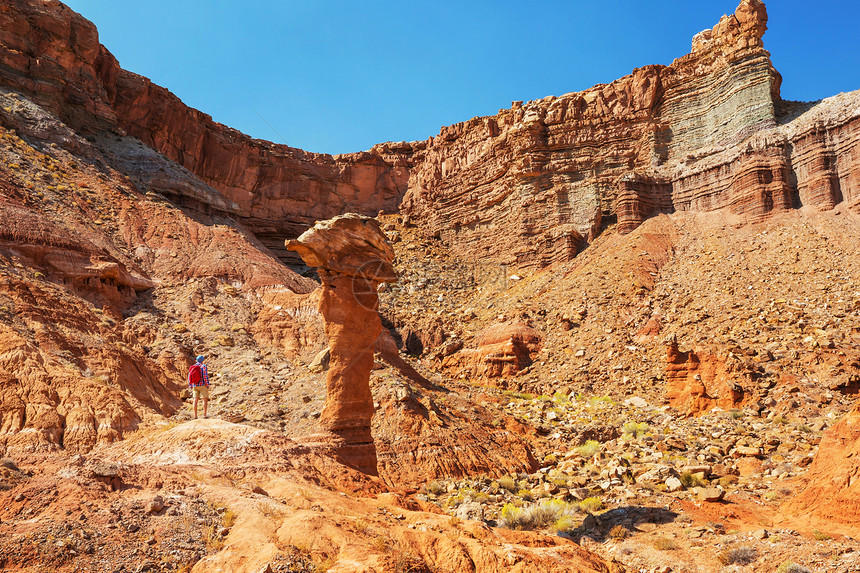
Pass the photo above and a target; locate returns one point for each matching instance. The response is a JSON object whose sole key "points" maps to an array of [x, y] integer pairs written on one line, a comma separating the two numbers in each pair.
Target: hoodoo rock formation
{"points": [[353, 257]]}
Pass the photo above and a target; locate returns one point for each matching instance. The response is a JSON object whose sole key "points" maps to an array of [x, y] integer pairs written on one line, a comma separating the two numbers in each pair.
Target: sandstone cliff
{"points": [[551, 173], [52, 54]]}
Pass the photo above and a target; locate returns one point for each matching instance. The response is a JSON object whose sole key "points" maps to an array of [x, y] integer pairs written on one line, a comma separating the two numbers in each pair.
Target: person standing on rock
{"points": [[198, 381]]}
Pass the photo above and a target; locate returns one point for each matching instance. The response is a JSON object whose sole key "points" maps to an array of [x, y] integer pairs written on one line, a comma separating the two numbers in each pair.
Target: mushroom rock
{"points": [[352, 257]]}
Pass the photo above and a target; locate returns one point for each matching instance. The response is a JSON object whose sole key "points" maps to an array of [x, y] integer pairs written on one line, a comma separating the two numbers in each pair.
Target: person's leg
{"points": [[204, 393], [196, 396]]}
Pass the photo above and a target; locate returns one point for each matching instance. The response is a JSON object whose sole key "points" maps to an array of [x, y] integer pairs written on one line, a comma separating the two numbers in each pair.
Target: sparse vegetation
{"points": [[619, 532], [508, 483], [560, 397], [213, 541], [536, 516], [591, 504], [792, 567], [635, 430], [665, 544], [589, 448], [435, 488], [517, 395], [743, 555], [689, 479]]}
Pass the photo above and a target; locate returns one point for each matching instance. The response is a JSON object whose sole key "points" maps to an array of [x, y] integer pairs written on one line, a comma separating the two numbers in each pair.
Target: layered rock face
{"points": [[53, 55], [527, 186], [352, 257], [549, 172]]}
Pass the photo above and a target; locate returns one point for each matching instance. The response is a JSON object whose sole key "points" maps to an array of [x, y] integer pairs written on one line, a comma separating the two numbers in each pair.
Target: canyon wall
{"points": [[528, 186], [52, 54]]}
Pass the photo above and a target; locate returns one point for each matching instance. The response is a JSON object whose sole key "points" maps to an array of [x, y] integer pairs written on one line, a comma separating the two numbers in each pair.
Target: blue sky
{"points": [[336, 76]]}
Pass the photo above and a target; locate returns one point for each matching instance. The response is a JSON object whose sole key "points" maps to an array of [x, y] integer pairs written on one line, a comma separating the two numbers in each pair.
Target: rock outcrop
{"points": [[699, 382], [831, 491], [353, 258], [502, 350]]}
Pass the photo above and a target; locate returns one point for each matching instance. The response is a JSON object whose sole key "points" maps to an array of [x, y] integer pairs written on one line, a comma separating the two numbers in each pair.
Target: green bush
{"points": [[589, 448], [591, 504], [547, 512]]}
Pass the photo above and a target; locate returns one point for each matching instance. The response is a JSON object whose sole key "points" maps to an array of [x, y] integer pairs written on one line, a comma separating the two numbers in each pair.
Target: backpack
{"points": [[195, 375]]}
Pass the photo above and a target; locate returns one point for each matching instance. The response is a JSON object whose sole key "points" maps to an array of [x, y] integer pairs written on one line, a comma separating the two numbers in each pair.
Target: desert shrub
{"points": [[212, 539], [591, 504], [820, 535], [618, 532], [526, 494], [792, 567], [589, 448], [508, 483], [535, 516], [517, 395], [665, 544], [691, 480], [435, 488], [743, 555], [635, 429], [560, 397], [601, 401]]}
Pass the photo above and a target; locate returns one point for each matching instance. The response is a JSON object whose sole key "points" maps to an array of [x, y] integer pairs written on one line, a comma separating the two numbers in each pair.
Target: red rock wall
{"points": [[514, 185], [527, 186], [53, 55]]}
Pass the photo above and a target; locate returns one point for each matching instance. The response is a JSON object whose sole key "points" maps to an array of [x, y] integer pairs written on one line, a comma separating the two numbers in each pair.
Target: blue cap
{"points": [[200, 359]]}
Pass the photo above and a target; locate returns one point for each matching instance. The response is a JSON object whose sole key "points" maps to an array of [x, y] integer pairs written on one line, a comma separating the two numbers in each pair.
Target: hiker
{"points": [[198, 381]]}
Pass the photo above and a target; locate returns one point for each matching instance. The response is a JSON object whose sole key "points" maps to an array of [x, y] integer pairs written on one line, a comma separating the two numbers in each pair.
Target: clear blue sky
{"points": [[338, 76]]}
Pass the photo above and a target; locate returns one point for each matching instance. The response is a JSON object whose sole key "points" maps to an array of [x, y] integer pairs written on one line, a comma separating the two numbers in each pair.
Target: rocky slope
{"points": [[52, 55]]}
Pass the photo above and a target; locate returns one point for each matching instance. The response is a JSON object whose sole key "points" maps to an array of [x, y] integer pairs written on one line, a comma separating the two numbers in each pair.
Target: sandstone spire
{"points": [[352, 257]]}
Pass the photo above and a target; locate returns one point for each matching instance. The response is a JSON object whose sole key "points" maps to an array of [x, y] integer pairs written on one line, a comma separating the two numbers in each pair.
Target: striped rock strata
{"points": [[528, 186]]}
